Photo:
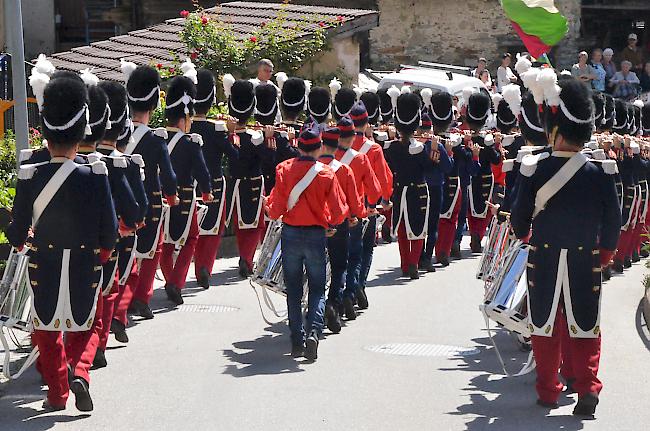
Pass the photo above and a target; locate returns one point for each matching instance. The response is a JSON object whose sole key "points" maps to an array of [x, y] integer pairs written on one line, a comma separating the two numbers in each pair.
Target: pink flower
{"points": [[339, 18], [159, 65], [253, 39], [172, 70], [204, 20], [194, 55], [322, 24], [184, 13], [263, 24]]}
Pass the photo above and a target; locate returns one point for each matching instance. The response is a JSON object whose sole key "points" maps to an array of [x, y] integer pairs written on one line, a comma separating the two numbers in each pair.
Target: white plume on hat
{"points": [[393, 92], [335, 86], [565, 72], [638, 103], [43, 65], [127, 67], [88, 77], [426, 95], [512, 96], [523, 64], [547, 80], [405, 89], [530, 82], [38, 81], [496, 99], [467, 93], [189, 70], [281, 78], [357, 90], [228, 80], [307, 91], [255, 82]]}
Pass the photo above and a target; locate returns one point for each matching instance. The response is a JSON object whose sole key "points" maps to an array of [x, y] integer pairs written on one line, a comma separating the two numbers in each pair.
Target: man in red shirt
{"points": [[310, 201], [337, 244]]}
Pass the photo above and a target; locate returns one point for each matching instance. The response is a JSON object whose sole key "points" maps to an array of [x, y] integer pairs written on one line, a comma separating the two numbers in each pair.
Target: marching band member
{"points": [[369, 189], [439, 116], [309, 199], [215, 146], [108, 146], [143, 92], [337, 244], [375, 153], [181, 224], [564, 264], [343, 99], [319, 105], [481, 184], [246, 190], [408, 160], [71, 213]]}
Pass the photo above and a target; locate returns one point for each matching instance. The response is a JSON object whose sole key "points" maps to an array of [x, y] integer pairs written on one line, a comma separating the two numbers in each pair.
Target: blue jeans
{"points": [[303, 249], [435, 202], [355, 248], [462, 215], [368, 247], [337, 247]]}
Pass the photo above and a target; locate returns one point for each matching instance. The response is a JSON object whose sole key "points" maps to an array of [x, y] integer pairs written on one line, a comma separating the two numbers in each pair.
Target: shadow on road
{"points": [[265, 355], [506, 404], [641, 326]]}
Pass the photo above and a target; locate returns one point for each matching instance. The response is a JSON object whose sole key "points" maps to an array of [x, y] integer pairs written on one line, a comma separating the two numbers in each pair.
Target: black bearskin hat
{"points": [[441, 111], [609, 112], [143, 89], [478, 109], [267, 103], [506, 120], [407, 114], [65, 74], [371, 100], [529, 121], [343, 102], [599, 109], [385, 105], [319, 104], [124, 136], [293, 97], [574, 116], [241, 103], [117, 101], [179, 100], [635, 119], [65, 103], [206, 92], [99, 113], [620, 117], [645, 119]]}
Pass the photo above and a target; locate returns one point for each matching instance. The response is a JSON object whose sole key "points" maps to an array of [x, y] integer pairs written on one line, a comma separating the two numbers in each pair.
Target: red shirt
{"points": [[345, 177], [321, 204], [379, 166], [367, 183]]}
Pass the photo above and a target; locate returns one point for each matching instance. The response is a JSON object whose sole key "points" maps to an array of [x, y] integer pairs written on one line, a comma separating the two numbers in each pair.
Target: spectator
{"points": [[265, 71], [480, 67], [582, 70], [505, 75], [609, 66], [645, 78], [624, 82], [484, 76], [596, 63], [632, 53]]}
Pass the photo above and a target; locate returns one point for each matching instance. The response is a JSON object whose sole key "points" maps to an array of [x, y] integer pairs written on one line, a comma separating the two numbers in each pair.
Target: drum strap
{"points": [[335, 165], [557, 181], [349, 155], [302, 185], [53, 185], [528, 366], [173, 141], [137, 135]]}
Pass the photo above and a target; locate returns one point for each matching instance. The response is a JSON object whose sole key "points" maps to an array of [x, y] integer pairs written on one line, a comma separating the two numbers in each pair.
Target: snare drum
{"points": [[267, 271]]}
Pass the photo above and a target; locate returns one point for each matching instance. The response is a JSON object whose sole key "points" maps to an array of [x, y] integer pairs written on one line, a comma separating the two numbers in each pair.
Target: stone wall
{"points": [[342, 61], [457, 32], [38, 27]]}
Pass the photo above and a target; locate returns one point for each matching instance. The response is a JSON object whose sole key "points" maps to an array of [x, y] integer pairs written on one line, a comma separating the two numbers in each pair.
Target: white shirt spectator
{"points": [[505, 76]]}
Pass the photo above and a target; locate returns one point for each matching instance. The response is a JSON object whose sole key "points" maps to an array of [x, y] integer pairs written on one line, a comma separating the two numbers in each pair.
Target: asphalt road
{"points": [[205, 368]]}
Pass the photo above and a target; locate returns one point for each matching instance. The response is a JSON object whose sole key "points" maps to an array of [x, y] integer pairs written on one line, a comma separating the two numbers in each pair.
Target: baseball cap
{"points": [[632, 36]]}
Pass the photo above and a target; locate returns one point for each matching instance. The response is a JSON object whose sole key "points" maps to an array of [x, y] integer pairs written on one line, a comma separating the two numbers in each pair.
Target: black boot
{"points": [[635, 257], [173, 294], [332, 319], [475, 244], [311, 347], [427, 265], [362, 298], [546, 404], [99, 361], [79, 388], [627, 263], [607, 273], [385, 234], [142, 309], [297, 350], [568, 388], [443, 260], [586, 405], [203, 279], [244, 270], [348, 305], [455, 250], [119, 330], [413, 272], [617, 267]]}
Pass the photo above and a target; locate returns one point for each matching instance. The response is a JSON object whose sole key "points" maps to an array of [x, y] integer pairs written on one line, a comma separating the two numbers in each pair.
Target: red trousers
{"points": [[625, 244], [176, 272], [207, 247], [478, 226], [409, 250], [582, 356], [109, 303], [248, 239], [388, 213], [144, 288], [125, 295], [55, 355], [447, 230]]}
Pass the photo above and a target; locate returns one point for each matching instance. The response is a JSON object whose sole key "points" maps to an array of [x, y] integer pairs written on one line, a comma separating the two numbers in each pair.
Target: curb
{"points": [[646, 306]]}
